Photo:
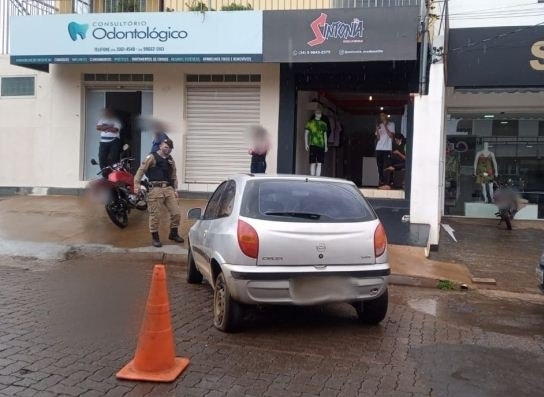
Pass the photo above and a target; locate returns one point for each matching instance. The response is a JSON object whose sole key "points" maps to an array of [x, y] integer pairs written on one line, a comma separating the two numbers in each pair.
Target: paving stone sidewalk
{"points": [[66, 328], [491, 251]]}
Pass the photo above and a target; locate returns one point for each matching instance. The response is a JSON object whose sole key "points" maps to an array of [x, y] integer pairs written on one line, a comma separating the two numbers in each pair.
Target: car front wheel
{"points": [[373, 311], [226, 311]]}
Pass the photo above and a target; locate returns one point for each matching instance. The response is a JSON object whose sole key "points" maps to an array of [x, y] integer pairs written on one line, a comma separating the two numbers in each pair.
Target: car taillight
{"points": [[248, 239], [380, 241]]}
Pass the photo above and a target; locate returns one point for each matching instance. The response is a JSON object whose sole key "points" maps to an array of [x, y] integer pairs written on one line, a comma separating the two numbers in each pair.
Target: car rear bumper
{"points": [[281, 284]]}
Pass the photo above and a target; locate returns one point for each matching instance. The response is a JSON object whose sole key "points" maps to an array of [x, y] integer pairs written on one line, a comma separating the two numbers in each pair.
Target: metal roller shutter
{"points": [[217, 119]]}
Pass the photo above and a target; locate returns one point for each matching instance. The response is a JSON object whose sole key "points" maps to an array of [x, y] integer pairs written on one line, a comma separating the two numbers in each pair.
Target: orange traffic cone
{"points": [[155, 359]]}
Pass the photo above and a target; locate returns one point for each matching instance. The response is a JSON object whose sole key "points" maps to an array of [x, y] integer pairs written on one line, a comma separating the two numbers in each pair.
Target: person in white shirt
{"points": [[385, 131], [109, 128]]}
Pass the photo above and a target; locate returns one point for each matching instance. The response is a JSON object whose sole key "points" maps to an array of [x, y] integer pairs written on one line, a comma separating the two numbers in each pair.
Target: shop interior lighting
{"points": [[370, 98], [489, 116], [381, 107]]}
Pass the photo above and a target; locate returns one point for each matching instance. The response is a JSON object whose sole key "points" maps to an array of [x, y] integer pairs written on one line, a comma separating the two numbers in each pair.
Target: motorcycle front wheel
{"points": [[117, 214]]}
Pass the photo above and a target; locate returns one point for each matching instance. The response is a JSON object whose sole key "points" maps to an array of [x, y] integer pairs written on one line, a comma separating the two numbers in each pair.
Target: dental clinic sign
{"points": [[135, 31], [137, 37]]}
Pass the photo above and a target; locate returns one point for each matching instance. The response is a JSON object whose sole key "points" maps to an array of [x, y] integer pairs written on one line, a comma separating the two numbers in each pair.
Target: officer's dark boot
{"points": [[155, 239], [174, 236]]}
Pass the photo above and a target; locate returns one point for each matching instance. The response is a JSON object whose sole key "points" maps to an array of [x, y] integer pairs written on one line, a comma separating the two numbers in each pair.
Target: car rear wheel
{"points": [[193, 275], [226, 312], [372, 312]]}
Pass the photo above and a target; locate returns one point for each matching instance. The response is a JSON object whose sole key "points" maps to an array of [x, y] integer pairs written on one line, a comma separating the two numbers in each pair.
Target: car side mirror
{"points": [[194, 214]]}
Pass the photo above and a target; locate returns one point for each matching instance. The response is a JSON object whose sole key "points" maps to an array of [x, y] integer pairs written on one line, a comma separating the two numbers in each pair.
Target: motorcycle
{"points": [[506, 199], [115, 189]]}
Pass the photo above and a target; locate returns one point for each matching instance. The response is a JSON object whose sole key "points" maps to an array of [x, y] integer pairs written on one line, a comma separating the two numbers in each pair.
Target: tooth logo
{"points": [[77, 29]]}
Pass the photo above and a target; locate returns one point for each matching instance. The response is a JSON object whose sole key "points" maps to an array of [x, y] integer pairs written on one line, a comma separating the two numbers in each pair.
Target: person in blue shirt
{"points": [[159, 135]]}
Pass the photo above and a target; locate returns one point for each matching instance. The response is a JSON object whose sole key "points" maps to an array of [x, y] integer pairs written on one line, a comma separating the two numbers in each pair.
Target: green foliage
{"points": [[237, 7], [446, 285], [201, 6], [128, 6], [197, 6]]}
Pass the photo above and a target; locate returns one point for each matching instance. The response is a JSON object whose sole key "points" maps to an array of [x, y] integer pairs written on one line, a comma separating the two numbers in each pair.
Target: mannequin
{"points": [[485, 170], [315, 141]]}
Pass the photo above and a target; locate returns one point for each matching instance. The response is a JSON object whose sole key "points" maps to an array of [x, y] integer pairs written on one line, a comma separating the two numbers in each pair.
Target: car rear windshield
{"points": [[305, 201]]}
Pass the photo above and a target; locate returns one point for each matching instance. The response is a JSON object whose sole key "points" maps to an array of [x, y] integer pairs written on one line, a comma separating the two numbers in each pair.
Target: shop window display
{"points": [[483, 151]]}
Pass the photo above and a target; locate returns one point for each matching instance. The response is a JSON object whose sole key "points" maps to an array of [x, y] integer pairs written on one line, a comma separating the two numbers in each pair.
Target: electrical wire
{"points": [[497, 9], [497, 13], [498, 36], [513, 16]]}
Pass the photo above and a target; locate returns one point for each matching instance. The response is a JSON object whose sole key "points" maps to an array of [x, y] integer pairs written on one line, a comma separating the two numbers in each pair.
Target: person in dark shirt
{"points": [[259, 149], [159, 135], [160, 169], [397, 162]]}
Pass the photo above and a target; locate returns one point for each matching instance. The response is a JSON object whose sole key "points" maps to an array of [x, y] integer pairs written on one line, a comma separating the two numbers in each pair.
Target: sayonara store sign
{"points": [[341, 35]]}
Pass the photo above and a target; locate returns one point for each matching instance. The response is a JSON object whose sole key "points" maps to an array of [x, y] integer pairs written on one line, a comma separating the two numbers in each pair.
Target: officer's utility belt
{"points": [[160, 184]]}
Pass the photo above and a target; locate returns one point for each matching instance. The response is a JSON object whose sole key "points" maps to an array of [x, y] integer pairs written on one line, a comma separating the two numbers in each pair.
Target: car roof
{"points": [[287, 177]]}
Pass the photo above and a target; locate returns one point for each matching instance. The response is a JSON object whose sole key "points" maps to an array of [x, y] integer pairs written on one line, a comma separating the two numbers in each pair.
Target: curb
{"points": [[14, 191], [413, 281], [61, 252], [426, 282]]}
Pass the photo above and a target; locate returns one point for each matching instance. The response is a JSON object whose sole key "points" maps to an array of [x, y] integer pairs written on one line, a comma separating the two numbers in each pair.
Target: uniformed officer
{"points": [[160, 169]]}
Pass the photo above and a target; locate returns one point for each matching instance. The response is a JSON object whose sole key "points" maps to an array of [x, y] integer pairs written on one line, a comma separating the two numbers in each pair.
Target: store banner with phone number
{"points": [[341, 35], [215, 37]]}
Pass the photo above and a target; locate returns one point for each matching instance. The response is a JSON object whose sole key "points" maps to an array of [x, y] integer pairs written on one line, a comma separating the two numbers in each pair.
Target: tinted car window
{"points": [[212, 209], [227, 200], [305, 201]]}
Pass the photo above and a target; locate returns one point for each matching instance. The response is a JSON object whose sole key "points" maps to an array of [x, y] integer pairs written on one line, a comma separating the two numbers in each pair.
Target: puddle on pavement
{"points": [[492, 313], [427, 306], [479, 371]]}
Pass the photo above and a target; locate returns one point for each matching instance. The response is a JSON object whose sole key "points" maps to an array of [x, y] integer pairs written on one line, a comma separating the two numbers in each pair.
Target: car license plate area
{"points": [[309, 289], [540, 276]]}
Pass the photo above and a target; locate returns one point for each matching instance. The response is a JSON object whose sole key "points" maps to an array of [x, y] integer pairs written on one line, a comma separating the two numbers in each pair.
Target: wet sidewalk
{"points": [[52, 227], [491, 251], [73, 220]]}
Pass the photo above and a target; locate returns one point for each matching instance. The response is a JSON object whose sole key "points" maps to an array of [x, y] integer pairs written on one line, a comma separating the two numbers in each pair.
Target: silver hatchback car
{"points": [[289, 240]]}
